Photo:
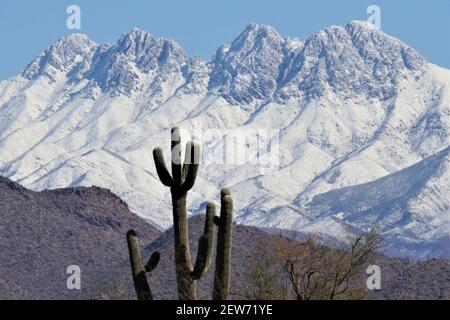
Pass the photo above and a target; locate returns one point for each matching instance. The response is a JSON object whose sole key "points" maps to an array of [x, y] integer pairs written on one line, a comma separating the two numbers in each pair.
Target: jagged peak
{"points": [[246, 70], [76, 43], [360, 24], [135, 34], [355, 28], [257, 27], [137, 31], [137, 55], [76, 37], [140, 44], [366, 38], [143, 38], [134, 40], [254, 38], [61, 56], [254, 33]]}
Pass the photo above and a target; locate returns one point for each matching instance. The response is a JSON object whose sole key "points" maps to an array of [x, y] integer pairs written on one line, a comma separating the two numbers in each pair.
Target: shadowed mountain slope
{"points": [[44, 233]]}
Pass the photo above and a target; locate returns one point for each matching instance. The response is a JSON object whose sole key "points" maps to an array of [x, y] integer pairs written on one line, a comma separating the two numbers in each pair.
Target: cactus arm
{"points": [[153, 262], [191, 165], [161, 168], [137, 267], [222, 276], [176, 156], [205, 245], [210, 214], [187, 160], [225, 192], [201, 263]]}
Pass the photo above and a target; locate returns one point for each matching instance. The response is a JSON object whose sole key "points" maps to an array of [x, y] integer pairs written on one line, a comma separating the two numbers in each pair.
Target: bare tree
{"points": [[320, 272], [264, 283]]}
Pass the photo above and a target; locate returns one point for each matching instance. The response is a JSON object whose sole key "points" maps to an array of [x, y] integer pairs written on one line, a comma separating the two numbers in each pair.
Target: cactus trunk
{"points": [[183, 263], [222, 276], [138, 268]]}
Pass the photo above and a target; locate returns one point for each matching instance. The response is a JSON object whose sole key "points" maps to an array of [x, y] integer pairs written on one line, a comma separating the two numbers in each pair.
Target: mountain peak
{"points": [[260, 28], [136, 60], [359, 24], [255, 33], [247, 69], [355, 58], [135, 34], [139, 42], [76, 38], [382, 46], [137, 30], [61, 57], [134, 40], [75, 43], [143, 39], [349, 60]]}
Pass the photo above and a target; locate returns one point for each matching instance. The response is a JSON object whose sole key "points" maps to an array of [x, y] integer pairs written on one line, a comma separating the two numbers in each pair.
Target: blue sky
{"points": [[200, 26]]}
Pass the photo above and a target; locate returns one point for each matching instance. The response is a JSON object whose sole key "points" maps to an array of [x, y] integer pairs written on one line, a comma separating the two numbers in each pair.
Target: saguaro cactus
{"points": [[138, 268], [222, 276], [180, 182]]}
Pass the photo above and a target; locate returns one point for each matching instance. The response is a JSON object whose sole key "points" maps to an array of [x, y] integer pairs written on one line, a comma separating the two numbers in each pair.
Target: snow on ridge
{"points": [[378, 204]]}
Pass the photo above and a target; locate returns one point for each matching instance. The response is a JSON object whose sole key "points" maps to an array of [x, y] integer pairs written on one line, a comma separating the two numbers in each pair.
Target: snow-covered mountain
{"points": [[363, 120]]}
